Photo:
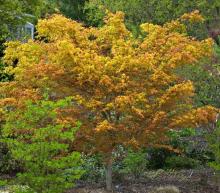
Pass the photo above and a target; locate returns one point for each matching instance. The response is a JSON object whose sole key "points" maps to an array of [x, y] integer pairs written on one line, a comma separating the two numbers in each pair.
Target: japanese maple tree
{"points": [[125, 91]]}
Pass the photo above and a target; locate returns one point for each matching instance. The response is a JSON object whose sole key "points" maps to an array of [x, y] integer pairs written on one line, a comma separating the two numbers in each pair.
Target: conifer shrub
{"points": [[40, 139]]}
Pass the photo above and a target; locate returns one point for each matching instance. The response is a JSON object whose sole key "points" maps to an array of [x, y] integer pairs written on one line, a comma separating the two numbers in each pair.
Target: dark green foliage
{"points": [[214, 144], [180, 162], [94, 14], [135, 12], [191, 145], [94, 168], [206, 80], [154, 11], [207, 84], [15, 12], [126, 162], [8, 165], [4, 77], [10, 12], [73, 9], [135, 163], [157, 157], [40, 142]]}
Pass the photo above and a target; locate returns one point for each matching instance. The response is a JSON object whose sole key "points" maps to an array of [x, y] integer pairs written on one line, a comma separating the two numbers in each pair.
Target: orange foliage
{"points": [[125, 91], [193, 16]]}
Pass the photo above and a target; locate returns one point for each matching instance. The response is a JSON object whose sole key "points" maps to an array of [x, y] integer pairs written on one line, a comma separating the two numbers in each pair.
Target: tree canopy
{"points": [[157, 12], [125, 90]]}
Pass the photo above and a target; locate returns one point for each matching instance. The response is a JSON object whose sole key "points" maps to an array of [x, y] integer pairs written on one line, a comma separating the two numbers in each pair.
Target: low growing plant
{"points": [[214, 144], [181, 162], [8, 165], [135, 163], [94, 168]]}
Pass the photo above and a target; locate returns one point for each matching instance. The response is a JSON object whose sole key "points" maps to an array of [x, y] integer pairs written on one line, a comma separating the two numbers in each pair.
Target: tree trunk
{"points": [[109, 175]]}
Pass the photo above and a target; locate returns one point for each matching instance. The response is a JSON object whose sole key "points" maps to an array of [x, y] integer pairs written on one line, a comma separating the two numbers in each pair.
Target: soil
{"points": [[188, 181]]}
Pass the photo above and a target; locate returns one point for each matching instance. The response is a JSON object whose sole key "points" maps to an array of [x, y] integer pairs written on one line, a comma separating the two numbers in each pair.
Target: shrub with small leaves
{"points": [[94, 168], [214, 143], [180, 162], [37, 136], [8, 165], [135, 163]]}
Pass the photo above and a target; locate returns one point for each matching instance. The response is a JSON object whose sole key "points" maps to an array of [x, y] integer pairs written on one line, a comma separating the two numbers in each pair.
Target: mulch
{"points": [[188, 181]]}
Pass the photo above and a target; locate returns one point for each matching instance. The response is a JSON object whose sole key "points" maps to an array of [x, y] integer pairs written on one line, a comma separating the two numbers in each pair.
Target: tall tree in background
{"points": [[16, 12], [158, 12], [73, 9], [125, 90], [206, 80]]}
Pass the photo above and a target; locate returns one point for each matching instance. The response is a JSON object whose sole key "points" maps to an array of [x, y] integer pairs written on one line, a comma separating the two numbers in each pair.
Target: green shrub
{"points": [[179, 162], [214, 144], [19, 189], [192, 144], [8, 165], [158, 156], [135, 163], [4, 77], [94, 168], [3, 183], [41, 142]]}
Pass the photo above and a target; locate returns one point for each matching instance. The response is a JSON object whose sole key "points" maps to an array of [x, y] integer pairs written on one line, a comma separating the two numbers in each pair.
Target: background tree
{"points": [[207, 84], [125, 90], [158, 12], [73, 9], [214, 145], [15, 12], [206, 80]]}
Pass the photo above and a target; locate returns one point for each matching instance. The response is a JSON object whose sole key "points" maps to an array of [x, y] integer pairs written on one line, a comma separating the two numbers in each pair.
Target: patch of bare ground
{"points": [[187, 181]]}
